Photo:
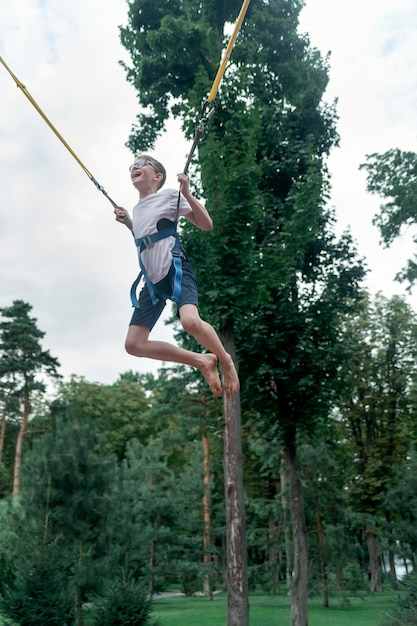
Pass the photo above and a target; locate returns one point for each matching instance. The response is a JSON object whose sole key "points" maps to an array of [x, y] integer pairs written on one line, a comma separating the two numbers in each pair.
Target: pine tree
{"points": [[23, 362]]}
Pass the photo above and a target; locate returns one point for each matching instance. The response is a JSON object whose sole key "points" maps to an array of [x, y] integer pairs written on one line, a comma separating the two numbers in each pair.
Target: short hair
{"points": [[157, 165]]}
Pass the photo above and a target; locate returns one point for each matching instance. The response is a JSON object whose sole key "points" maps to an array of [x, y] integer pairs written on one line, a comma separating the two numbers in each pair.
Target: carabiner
{"points": [[205, 118]]}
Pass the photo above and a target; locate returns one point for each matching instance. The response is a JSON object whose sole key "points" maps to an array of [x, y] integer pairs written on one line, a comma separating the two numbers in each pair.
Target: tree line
{"points": [[128, 477]]}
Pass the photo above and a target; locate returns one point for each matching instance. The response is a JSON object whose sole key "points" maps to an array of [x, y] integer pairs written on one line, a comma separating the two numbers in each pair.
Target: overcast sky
{"points": [[60, 249]]}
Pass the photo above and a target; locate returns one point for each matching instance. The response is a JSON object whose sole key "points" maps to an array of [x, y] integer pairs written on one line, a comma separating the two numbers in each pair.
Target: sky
{"points": [[60, 248]]}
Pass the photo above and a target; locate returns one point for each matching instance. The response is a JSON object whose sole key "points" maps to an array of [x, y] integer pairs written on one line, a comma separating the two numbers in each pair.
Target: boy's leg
{"points": [[138, 344], [144, 318], [206, 336]]}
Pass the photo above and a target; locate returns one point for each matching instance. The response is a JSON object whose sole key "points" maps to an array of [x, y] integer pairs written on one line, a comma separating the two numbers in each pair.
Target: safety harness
{"points": [[177, 255]]}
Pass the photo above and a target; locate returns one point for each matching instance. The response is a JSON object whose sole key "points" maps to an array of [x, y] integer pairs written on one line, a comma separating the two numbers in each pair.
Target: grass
{"points": [[359, 610], [271, 611]]}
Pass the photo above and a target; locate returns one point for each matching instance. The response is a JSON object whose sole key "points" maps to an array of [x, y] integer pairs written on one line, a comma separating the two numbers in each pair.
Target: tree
{"points": [[62, 521], [403, 611], [145, 523], [9, 402], [401, 504], [23, 362], [10, 408], [119, 411], [393, 176], [376, 406], [271, 275], [39, 593], [124, 602]]}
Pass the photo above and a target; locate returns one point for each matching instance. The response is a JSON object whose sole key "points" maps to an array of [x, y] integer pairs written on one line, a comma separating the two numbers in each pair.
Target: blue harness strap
{"points": [[177, 253]]}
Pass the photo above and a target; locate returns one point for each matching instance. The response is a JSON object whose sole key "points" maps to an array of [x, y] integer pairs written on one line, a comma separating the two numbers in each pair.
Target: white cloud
{"points": [[60, 249]]}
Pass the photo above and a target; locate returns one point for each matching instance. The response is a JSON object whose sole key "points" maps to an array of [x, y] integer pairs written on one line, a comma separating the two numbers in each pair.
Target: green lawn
{"points": [[271, 611]]}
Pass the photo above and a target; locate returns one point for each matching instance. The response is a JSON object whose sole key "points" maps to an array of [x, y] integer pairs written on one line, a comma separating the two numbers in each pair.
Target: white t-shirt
{"points": [[147, 212]]}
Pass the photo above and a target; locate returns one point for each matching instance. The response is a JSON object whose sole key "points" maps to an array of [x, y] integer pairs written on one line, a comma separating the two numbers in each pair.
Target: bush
{"points": [[190, 578], [38, 594], [353, 578], [123, 603], [404, 610]]}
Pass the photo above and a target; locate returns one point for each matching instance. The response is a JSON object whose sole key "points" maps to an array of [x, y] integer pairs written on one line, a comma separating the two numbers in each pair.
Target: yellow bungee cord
{"points": [[57, 133], [228, 53], [205, 116]]}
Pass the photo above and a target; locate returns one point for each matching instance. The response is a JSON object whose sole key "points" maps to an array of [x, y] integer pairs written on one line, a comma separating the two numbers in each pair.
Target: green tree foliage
{"points": [[124, 602], [39, 594], [23, 360], [158, 524], [175, 49], [401, 506], [404, 608], [9, 407], [61, 522], [393, 176], [271, 263], [377, 405], [118, 411], [146, 496]]}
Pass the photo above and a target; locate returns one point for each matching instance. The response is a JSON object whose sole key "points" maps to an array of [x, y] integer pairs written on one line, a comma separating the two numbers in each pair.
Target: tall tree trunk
{"points": [[371, 539], [299, 587], [392, 569], [19, 443], [207, 588], [287, 528], [391, 553], [273, 554], [151, 585], [236, 568], [3, 431], [322, 553], [320, 536], [78, 608], [79, 618]]}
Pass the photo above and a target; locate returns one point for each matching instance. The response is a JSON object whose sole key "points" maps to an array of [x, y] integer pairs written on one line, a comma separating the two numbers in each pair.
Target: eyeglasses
{"points": [[142, 163]]}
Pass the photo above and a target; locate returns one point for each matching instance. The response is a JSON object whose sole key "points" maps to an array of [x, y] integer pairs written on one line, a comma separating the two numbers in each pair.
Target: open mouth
{"points": [[136, 175]]}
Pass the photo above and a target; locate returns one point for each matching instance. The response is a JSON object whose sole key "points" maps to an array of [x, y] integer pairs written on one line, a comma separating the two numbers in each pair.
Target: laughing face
{"points": [[144, 175]]}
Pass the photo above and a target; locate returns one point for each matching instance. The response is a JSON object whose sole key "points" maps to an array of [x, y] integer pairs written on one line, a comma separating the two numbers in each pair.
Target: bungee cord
{"points": [[211, 99], [209, 107], [228, 53], [57, 133]]}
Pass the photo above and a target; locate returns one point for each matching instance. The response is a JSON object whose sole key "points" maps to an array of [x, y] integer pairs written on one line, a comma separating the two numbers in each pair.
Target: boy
{"points": [[155, 211]]}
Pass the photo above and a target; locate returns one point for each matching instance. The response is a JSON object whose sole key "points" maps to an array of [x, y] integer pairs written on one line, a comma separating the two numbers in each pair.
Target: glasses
{"points": [[142, 163]]}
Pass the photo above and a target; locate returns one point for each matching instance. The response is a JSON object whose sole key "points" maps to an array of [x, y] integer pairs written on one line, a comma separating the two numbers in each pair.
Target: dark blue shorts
{"points": [[148, 314]]}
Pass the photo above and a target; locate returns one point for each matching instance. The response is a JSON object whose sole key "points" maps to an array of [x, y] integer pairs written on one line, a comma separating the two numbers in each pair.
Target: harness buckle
{"points": [[147, 241]]}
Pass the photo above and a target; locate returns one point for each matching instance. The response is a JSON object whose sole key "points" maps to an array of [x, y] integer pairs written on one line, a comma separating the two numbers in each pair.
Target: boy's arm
{"points": [[199, 215], [123, 217]]}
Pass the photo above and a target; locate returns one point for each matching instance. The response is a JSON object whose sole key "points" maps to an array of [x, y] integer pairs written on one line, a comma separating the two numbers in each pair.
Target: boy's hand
{"points": [[123, 217], [184, 181], [199, 215]]}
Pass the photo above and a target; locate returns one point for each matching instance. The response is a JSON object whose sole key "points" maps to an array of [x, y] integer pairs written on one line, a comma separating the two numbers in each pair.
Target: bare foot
{"points": [[230, 378], [210, 373]]}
